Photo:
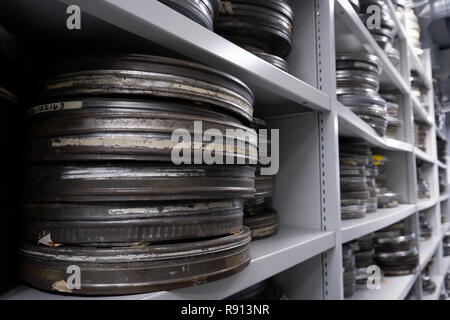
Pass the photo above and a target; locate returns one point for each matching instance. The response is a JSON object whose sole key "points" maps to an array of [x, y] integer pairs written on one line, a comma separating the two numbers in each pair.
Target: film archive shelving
{"points": [[305, 256]]}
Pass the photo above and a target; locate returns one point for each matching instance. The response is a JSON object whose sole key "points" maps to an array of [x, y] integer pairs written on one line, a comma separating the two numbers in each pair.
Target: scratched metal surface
{"points": [[124, 224], [112, 129], [136, 182], [132, 270], [263, 224], [145, 76]]}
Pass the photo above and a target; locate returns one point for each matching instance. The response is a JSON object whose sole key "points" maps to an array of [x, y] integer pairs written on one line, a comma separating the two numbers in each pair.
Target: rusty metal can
{"points": [[133, 270], [262, 225]]}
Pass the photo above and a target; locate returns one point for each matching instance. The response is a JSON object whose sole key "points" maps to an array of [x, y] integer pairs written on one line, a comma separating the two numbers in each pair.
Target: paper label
{"points": [[50, 107]]}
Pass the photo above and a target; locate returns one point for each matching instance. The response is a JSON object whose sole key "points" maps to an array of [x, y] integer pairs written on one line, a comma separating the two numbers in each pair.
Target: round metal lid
{"points": [[394, 240], [362, 57], [134, 75]]}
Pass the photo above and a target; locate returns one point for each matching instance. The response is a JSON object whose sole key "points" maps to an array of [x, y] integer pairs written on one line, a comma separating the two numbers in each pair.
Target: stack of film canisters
{"points": [[419, 88], [263, 27], [446, 244], [394, 122], [420, 133], [204, 12], [357, 179], [426, 229], [386, 198], [428, 285], [396, 251], [363, 259], [349, 264], [358, 83], [102, 190], [423, 187], [258, 216]]}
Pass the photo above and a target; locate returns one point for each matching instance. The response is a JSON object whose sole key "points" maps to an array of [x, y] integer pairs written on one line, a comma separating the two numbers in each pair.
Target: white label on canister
{"points": [[57, 106]]}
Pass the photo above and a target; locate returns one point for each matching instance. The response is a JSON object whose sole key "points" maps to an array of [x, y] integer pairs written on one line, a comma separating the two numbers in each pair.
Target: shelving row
{"points": [[305, 257]]}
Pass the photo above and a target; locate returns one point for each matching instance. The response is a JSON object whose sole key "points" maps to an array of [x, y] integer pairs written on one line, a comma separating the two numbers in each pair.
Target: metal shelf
{"points": [[392, 288], [420, 112], [441, 165], [351, 125], [423, 156], [290, 245], [427, 249], [158, 23], [355, 228], [425, 204]]}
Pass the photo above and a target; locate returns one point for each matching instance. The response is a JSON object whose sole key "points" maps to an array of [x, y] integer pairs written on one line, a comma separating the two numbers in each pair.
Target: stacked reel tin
{"points": [[357, 174], [442, 150], [358, 82], [103, 191], [428, 285], [413, 31], [364, 254], [396, 250], [349, 270], [426, 229], [258, 216], [423, 186], [263, 27], [204, 12], [419, 88], [442, 181], [420, 136], [385, 197], [384, 35], [394, 122], [446, 244]]}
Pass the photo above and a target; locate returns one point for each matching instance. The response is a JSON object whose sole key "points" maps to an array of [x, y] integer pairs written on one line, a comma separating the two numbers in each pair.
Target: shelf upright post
{"points": [[329, 148]]}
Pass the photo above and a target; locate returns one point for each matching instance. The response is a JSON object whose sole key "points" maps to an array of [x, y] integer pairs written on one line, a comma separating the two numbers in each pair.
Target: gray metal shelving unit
{"points": [[305, 256]]}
